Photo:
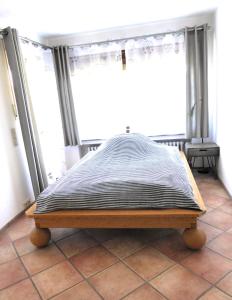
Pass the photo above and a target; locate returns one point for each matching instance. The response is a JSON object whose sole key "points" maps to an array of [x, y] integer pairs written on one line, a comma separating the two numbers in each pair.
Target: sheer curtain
{"points": [[45, 107], [155, 84], [96, 74], [147, 92]]}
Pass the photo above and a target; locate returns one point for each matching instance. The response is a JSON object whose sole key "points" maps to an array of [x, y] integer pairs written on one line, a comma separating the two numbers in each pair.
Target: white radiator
{"points": [[180, 143]]}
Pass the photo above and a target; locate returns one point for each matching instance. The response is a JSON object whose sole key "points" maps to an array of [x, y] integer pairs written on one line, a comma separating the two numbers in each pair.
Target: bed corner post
{"points": [[40, 237], [194, 238]]}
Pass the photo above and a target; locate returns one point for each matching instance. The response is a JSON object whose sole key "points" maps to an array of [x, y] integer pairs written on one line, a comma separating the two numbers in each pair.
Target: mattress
{"points": [[128, 171]]}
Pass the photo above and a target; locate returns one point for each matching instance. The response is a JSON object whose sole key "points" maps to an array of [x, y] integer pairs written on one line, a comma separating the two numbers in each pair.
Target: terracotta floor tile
{"points": [[42, 259], [206, 179], [178, 283], [149, 235], [81, 291], [20, 227], [226, 207], [208, 264], [56, 279], [210, 231], [24, 246], [102, 235], [123, 246], [7, 252], [222, 244], [226, 284], [11, 272], [215, 191], [93, 260], [172, 246], [215, 294], [213, 201], [4, 237], [148, 262], [116, 282], [76, 243], [208, 208], [20, 291], [218, 219], [205, 185], [144, 292], [60, 233]]}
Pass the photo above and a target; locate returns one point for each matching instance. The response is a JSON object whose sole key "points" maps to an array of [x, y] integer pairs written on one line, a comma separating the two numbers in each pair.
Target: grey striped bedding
{"points": [[128, 171]]}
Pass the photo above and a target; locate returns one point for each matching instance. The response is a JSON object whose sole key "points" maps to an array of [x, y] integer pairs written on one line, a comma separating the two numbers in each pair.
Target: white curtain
{"points": [[45, 107], [96, 74], [147, 93]]}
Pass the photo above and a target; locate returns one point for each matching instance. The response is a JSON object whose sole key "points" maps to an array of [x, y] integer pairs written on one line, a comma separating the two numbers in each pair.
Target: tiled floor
{"points": [[122, 264]]}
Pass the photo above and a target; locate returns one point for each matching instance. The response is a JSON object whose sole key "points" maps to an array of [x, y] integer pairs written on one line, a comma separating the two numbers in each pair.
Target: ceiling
{"points": [[49, 18]]}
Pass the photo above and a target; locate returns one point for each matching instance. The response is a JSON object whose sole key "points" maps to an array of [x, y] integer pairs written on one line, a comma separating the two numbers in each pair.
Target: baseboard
{"points": [[15, 217]]}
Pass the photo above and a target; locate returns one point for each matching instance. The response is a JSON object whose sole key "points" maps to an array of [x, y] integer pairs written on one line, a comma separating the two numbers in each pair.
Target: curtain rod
{"points": [[4, 32], [34, 42], [143, 36]]}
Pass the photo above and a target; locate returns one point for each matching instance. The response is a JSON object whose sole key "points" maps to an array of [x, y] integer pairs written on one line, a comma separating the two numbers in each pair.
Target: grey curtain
{"points": [[197, 82], [61, 61], [30, 137]]}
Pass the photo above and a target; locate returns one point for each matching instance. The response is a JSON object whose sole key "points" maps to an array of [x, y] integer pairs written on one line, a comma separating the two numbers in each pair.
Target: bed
{"points": [[129, 182]]}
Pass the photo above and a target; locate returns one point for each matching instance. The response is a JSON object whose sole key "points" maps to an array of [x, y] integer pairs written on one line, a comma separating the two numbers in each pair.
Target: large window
{"points": [[138, 83], [44, 107]]}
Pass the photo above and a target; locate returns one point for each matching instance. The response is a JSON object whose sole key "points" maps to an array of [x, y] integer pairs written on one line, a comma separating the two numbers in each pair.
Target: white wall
{"points": [[131, 31], [224, 92], [15, 185]]}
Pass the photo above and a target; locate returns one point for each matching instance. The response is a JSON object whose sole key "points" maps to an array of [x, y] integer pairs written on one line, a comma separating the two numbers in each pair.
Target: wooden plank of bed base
{"points": [[160, 218], [164, 218]]}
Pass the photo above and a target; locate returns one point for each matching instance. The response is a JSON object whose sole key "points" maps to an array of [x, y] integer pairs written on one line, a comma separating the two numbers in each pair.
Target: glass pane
{"points": [[45, 107], [149, 95]]}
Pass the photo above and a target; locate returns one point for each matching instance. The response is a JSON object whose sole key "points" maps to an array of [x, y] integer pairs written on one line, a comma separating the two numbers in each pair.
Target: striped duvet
{"points": [[129, 171]]}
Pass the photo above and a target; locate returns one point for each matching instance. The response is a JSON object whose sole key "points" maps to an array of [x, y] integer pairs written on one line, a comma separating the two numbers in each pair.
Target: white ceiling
{"points": [[48, 18]]}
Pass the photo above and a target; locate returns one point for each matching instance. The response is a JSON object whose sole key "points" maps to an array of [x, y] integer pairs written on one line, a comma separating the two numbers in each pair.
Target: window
{"points": [[143, 89], [44, 105]]}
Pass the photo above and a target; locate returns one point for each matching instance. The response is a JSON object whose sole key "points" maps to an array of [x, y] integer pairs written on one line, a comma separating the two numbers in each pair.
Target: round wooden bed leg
{"points": [[40, 237], [194, 238]]}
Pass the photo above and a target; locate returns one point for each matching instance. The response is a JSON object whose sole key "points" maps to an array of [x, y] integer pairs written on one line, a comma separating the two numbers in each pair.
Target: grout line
{"points": [[77, 252], [221, 290], [145, 283], [70, 287], [68, 259], [121, 260], [223, 276], [223, 230], [87, 280], [218, 253], [205, 292], [29, 276], [12, 284], [9, 260], [62, 238]]}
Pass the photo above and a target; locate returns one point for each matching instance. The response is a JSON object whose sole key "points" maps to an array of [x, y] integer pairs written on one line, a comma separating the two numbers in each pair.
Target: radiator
{"points": [[174, 143], [180, 143]]}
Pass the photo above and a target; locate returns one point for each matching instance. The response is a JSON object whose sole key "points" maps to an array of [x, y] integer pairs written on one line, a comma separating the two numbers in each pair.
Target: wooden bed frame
{"points": [[193, 237]]}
